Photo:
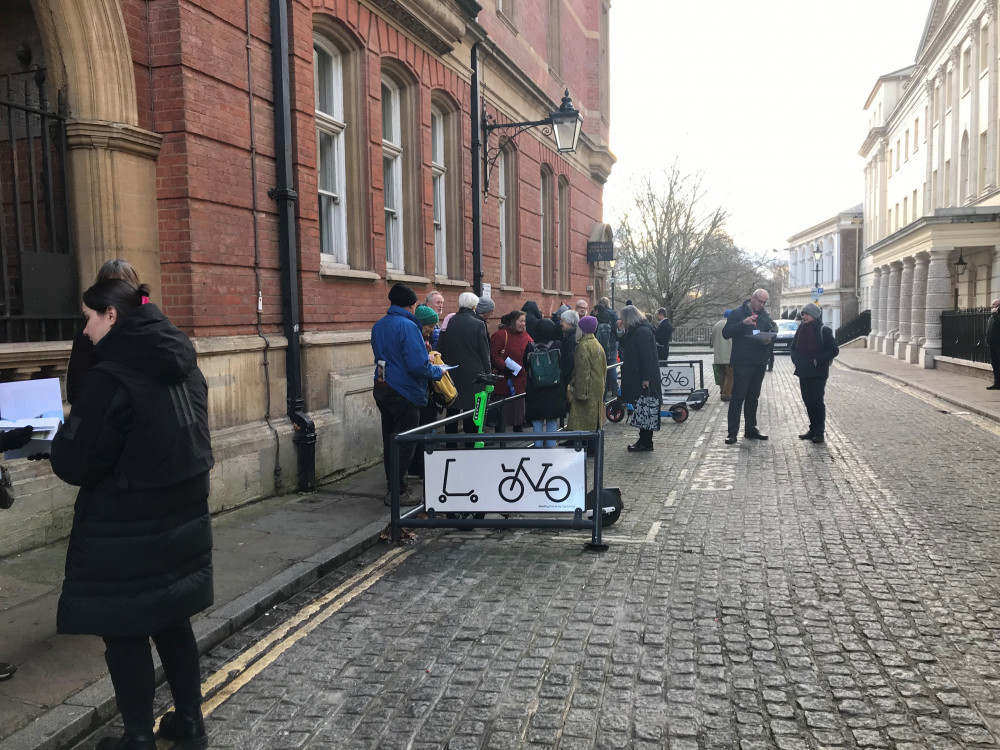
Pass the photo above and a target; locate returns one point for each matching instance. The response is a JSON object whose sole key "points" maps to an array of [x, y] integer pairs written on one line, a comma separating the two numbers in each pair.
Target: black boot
{"points": [[185, 727], [128, 742]]}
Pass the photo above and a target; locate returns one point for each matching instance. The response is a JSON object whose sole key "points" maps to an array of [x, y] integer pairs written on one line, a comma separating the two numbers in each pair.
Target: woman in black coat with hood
{"points": [[139, 562], [813, 349], [544, 406], [640, 367]]}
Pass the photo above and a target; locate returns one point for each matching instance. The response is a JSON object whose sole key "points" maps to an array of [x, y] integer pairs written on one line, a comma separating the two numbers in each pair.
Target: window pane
{"points": [[327, 163], [326, 223], [436, 139], [387, 105], [388, 183], [324, 83]]}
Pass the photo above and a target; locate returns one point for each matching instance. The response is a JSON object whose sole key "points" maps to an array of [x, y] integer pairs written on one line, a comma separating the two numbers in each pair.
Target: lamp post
{"points": [[564, 125], [817, 257], [612, 264]]}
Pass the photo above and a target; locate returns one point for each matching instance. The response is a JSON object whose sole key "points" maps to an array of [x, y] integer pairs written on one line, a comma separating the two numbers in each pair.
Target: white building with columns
{"points": [[931, 183], [835, 271]]}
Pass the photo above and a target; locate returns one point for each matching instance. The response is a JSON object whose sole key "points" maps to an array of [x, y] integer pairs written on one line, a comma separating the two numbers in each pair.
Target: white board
{"points": [[505, 480]]}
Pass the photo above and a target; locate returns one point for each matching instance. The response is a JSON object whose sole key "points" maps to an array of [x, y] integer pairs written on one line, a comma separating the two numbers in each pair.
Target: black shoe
{"points": [[640, 448], [184, 727], [129, 742], [770, 369], [754, 435], [806, 436], [731, 438], [6, 670], [994, 387], [818, 439]]}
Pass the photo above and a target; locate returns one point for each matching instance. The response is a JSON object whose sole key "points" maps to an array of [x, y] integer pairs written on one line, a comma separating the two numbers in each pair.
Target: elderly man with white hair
{"points": [[582, 307], [466, 344], [751, 330]]}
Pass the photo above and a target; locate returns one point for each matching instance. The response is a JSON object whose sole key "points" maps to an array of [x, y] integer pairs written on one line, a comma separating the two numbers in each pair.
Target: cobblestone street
{"points": [[772, 594]]}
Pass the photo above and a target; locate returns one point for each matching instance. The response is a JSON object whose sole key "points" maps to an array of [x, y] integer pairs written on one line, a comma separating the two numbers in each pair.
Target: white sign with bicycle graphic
{"points": [[505, 480], [676, 380]]}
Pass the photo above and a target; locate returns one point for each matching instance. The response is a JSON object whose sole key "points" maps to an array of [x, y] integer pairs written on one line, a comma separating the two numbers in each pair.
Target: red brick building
{"points": [[169, 120]]}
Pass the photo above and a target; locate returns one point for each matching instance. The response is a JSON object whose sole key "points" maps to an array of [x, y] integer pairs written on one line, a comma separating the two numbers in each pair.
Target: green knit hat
{"points": [[426, 316]]}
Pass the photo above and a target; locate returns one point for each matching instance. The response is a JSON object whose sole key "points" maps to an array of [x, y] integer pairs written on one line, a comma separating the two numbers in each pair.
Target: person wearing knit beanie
{"points": [[814, 310], [402, 296], [588, 324], [485, 307], [426, 316]]}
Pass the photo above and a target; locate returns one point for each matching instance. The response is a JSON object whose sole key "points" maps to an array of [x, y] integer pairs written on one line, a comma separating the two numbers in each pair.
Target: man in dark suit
{"points": [[664, 332]]}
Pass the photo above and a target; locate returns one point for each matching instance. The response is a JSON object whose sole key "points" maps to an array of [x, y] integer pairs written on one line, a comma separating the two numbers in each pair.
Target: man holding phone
{"points": [[752, 332]]}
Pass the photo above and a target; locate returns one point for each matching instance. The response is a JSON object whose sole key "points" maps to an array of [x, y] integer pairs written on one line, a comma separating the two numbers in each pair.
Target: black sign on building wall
{"points": [[600, 251]]}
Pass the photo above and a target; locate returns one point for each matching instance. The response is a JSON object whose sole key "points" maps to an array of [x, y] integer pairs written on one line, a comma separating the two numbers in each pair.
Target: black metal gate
{"points": [[963, 334], [38, 289]]}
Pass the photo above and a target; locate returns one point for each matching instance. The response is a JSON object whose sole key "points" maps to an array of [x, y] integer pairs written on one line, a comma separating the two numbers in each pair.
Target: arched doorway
{"points": [[109, 163]]}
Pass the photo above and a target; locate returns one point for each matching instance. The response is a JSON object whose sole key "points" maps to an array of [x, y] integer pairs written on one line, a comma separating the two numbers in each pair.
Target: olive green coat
{"points": [[586, 388]]}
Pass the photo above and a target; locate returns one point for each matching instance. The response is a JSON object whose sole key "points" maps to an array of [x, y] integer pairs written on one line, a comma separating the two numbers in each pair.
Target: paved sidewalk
{"points": [[968, 393], [263, 554]]}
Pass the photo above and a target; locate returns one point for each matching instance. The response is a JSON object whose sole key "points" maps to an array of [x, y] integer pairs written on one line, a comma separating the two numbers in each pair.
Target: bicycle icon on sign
{"points": [[511, 489], [676, 380]]}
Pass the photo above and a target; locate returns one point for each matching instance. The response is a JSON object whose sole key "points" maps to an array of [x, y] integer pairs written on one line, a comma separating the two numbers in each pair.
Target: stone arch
{"points": [[111, 160], [87, 47]]}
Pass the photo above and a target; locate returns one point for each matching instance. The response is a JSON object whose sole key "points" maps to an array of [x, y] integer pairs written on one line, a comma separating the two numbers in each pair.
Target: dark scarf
{"points": [[806, 339]]}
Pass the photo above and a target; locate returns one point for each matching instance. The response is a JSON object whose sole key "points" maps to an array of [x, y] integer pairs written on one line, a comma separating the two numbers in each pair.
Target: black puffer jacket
{"points": [[137, 444]]}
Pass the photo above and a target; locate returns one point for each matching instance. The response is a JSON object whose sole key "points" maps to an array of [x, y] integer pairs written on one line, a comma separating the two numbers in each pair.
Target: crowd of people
{"points": [[565, 364]]}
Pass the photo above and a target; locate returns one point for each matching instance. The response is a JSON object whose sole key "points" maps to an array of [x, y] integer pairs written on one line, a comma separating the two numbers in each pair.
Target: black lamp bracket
{"points": [[489, 125]]}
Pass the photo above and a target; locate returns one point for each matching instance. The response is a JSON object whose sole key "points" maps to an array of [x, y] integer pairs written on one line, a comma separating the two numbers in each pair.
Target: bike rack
{"points": [[421, 436]]}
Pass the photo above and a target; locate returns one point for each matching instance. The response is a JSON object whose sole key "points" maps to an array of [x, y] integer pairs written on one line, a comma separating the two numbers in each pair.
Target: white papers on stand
{"points": [[513, 366]]}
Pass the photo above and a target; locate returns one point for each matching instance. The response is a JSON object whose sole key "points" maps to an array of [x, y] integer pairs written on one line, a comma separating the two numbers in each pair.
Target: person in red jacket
{"points": [[509, 342]]}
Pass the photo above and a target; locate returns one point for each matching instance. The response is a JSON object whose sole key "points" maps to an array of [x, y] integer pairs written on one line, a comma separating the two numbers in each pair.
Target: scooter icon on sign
{"points": [[445, 494]]}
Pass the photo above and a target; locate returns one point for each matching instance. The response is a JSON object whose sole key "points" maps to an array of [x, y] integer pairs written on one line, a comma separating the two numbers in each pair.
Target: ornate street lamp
{"points": [[960, 265], [817, 257], [563, 124], [612, 264]]}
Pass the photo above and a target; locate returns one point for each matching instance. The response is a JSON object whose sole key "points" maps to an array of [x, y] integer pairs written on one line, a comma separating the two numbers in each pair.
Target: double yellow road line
{"points": [[233, 675]]}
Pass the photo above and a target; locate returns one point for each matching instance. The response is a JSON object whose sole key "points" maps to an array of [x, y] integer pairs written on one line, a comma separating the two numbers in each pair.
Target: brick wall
{"points": [[190, 61]]}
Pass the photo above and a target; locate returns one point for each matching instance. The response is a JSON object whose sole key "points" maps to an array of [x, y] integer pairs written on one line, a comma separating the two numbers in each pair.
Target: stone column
{"points": [[929, 187], [892, 308], [938, 299], [874, 306], [991, 103], [975, 40], [883, 309], [905, 305], [918, 302], [995, 274]]}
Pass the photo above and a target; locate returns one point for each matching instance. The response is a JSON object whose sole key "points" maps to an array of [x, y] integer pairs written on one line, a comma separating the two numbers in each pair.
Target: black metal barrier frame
{"points": [[424, 436]]}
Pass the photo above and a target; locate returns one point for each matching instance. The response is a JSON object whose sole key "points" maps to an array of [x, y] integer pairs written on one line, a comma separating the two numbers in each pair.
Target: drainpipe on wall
{"points": [[285, 196]]}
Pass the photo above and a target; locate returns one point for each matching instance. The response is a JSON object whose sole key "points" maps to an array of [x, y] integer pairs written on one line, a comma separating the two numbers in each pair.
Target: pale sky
{"points": [[765, 99]]}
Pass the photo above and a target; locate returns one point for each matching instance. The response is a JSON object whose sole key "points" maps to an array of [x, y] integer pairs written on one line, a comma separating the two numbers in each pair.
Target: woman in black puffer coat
{"points": [[139, 562], [544, 406], [640, 367]]}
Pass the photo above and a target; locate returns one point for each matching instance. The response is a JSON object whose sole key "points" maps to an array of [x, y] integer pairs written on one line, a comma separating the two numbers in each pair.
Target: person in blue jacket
{"points": [[402, 370]]}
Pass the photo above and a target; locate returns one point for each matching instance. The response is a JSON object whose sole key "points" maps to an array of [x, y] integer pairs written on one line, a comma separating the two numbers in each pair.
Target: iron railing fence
{"points": [[860, 326], [698, 333], [963, 334], [38, 289]]}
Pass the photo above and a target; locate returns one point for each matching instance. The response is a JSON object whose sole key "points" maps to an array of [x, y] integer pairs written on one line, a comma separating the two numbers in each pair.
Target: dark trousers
{"points": [[747, 380], [428, 414], [398, 415], [995, 361], [130, 663], [813, 390], [645, 437]]}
